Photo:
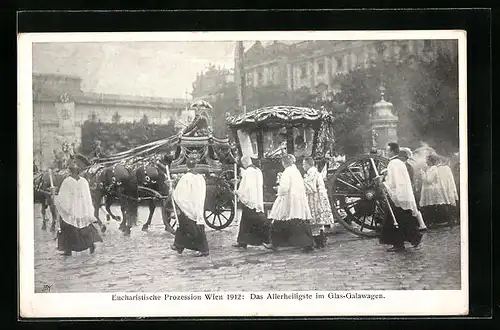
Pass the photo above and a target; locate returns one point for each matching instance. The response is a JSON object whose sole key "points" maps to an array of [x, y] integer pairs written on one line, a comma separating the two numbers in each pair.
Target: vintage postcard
{"points": [[234, 173]]}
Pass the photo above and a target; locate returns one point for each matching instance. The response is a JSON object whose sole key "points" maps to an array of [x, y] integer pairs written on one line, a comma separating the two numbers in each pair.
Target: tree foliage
{"points": [[116, 137]]}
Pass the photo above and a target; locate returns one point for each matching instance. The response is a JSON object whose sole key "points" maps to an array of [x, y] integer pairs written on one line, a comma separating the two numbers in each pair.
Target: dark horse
{"points": [[115, 183], [153, 181]]}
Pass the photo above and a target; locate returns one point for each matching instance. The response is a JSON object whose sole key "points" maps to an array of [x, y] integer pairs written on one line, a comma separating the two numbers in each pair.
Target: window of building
{"points": [[249, 79], [303, 71], [260, 76], [354, 60], [404, 48], [366, 60], [427, 45], [273, 73], [321, 67], [340, 64]]}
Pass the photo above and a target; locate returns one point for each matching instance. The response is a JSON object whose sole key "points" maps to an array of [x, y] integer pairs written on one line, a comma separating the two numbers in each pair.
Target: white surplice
{"points": [[74, 202], [291, 202], [398, 186], [250, 191], [189, 195], [447, 181], [438, 187]]}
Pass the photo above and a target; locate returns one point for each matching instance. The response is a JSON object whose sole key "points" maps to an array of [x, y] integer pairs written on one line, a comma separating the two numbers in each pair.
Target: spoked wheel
{"points": [[221, 215], [356, 200], [219, 212]]}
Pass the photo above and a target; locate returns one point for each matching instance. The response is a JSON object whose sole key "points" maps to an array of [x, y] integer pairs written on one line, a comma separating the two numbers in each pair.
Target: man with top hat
{"points": [[254, 228], [76, 212], [189, 198]]}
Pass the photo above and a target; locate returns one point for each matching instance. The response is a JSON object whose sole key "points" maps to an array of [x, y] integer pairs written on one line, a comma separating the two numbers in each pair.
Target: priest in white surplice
{"points": [[75, 208], [290, 212], [254, 228], [189, 197], [399, 190]]}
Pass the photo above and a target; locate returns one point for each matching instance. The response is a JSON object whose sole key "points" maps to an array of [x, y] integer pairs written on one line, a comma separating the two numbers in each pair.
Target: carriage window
{"points": [[255, 148], [248, 143], [303, 141], [274, 144]]}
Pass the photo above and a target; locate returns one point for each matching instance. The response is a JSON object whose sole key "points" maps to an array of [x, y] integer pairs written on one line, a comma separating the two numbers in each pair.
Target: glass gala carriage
{"points": [[267, 133]]}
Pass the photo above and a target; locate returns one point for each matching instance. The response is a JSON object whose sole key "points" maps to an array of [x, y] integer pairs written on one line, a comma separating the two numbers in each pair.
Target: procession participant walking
{"points": [[74, 205], [254, 228], [406, 155], [321, 213], [404, 208], [435, 200], [448, 184], [290, 212], [189, 198]]}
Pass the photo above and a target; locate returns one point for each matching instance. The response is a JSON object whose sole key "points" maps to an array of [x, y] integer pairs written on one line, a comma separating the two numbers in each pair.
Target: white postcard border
{"points": [[427, 302]]}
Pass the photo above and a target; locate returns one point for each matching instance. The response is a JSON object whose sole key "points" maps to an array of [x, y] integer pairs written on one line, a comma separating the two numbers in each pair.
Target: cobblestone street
{"points": [[144, 262]]}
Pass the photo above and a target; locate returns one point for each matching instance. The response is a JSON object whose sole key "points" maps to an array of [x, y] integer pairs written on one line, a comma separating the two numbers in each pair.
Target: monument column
{"points": [[383, 124], [66, 113]]}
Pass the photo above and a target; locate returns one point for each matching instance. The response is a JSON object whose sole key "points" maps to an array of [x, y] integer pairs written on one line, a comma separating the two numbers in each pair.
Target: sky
{"points": [[158, 69]]}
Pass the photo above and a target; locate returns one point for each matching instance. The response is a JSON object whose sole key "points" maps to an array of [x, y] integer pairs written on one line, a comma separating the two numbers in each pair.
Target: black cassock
{"points": [[255, 228], [407, 230], [190, 235]]}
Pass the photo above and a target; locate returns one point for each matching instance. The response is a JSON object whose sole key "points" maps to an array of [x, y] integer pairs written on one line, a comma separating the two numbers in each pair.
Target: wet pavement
{"points": [[144, 262]]}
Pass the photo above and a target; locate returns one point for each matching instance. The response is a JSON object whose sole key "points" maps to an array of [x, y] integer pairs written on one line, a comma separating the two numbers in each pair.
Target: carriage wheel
{"points": [[357, 202], [221, 215]]}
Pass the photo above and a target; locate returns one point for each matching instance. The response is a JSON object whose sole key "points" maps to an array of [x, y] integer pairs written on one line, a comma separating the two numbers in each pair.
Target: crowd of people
{"points": [[299, 215]]}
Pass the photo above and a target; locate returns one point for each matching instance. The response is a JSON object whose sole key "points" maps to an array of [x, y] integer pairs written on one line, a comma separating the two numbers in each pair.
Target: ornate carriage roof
{"points": [[279, 115], [200, 104]]}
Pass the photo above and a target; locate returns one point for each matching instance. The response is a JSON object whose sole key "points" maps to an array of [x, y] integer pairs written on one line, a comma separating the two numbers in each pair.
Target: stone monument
{"points": [[383, 124]]}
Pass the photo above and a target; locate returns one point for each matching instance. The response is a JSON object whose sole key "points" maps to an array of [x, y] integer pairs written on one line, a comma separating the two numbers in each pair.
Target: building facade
{"points": [[208, 83], [60, 108], [315, 64]]}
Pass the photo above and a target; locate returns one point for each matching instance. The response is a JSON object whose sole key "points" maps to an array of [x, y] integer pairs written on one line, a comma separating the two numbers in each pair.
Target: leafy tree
{"points": [[117, 137]]}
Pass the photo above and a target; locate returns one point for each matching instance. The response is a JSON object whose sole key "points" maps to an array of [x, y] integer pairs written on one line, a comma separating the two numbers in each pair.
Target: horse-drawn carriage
{"points": [[142, 174]]}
